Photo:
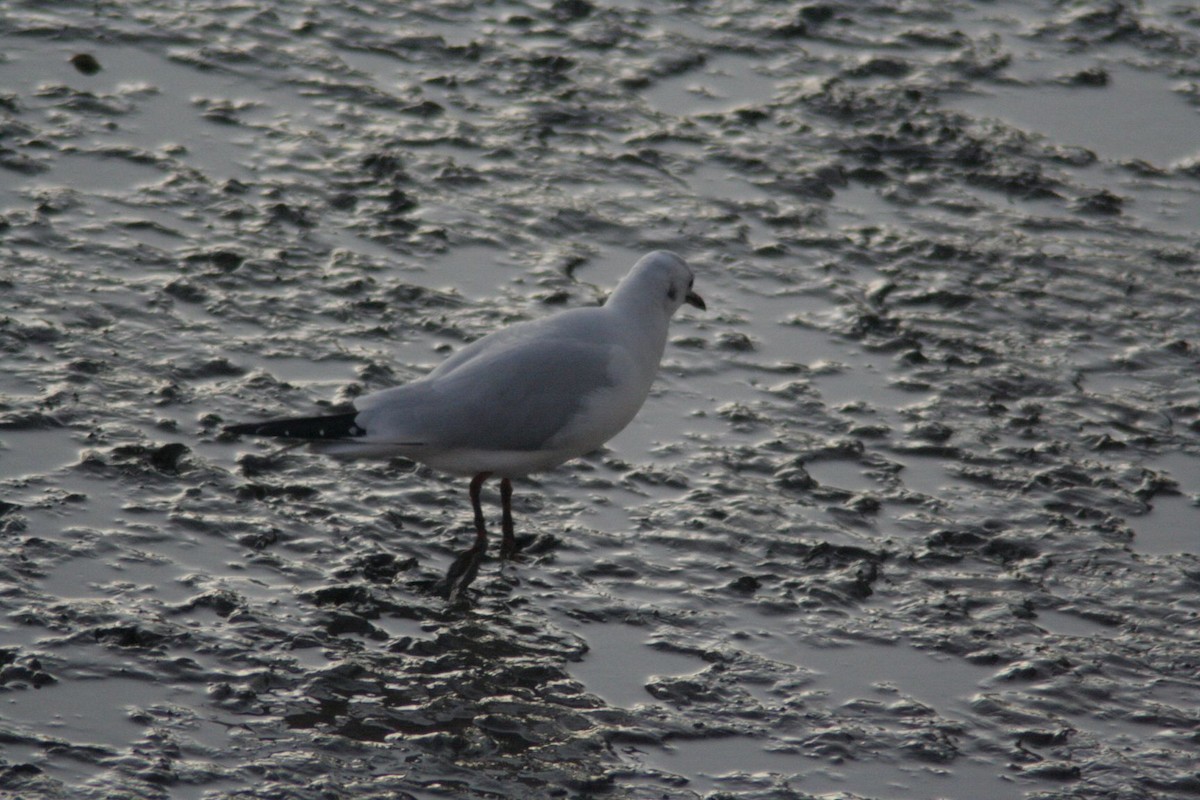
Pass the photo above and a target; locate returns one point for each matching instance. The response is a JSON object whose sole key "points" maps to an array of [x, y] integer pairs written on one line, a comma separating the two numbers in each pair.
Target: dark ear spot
{"points": [[671, 293]]}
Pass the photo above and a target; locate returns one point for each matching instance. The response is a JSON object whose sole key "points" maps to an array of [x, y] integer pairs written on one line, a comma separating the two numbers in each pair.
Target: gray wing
{"points": [[514, 394]]}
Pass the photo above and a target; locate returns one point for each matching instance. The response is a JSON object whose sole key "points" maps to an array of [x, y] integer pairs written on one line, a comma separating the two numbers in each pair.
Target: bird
{"points": [[522, 399]]}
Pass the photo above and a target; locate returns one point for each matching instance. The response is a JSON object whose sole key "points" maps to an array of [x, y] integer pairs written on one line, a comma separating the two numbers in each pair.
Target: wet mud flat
{"points": [[911, 513]]}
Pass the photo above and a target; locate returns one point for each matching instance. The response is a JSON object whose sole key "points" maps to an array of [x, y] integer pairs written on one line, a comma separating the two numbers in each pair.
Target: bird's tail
{"points": [[333, 426]]}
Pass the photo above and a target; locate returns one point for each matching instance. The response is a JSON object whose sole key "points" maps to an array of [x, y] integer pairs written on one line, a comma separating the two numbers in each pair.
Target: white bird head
{"points": [[660, 277]]}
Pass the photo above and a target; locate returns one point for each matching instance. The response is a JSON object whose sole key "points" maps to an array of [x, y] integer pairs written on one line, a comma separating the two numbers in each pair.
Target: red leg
{"points": [[464, 568], [508, 545], [481, 536]]}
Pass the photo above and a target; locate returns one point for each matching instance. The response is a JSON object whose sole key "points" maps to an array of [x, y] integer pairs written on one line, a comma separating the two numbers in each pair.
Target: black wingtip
{"points": [[334, 426]]}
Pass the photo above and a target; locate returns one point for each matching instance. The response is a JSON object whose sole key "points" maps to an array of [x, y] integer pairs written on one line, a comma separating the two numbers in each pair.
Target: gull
{"points": [[520, 400]]}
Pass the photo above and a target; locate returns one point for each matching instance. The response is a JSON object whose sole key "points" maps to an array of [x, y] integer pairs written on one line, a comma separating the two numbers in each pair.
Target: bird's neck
{"points": [[642, 325]]}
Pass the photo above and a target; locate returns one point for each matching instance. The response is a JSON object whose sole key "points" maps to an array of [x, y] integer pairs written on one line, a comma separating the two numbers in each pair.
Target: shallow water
{"points": [[913, 510]]}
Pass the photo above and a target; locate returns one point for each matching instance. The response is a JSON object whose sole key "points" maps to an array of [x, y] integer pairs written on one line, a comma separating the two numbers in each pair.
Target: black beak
{"points": [[696, 300]]}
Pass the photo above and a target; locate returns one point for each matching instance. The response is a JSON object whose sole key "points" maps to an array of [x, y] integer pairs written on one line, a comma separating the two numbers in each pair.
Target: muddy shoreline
{"points": [[911, 512]]}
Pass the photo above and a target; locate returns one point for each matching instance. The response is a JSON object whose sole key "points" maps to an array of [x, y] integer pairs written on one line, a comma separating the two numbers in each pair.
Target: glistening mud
{"points": [[910, 513]]}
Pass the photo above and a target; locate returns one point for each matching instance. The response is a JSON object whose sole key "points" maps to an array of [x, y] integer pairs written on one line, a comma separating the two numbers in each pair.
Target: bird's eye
{"points": [[671, 293]]}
